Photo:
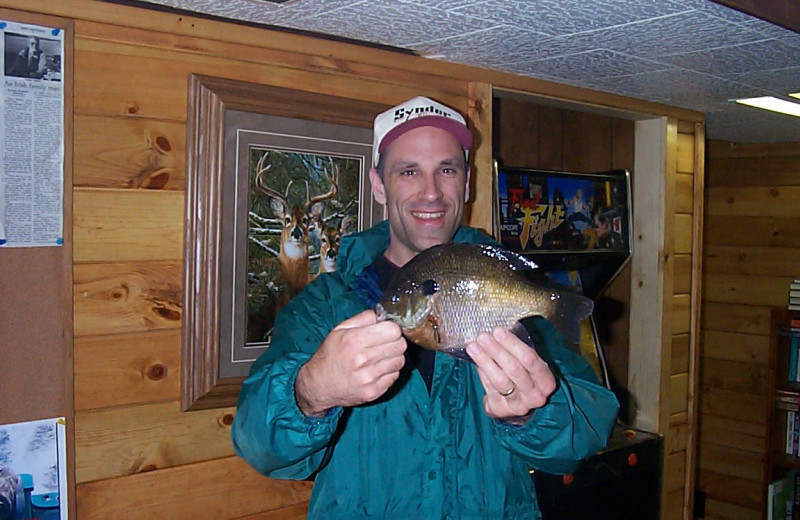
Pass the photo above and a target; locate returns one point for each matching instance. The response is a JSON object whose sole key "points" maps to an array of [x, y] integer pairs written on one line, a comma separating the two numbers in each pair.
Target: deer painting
{"points": [[300, 204], [295, 221], [329, 244]]}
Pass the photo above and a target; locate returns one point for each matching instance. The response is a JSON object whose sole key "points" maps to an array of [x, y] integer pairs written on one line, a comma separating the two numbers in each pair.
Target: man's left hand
{"points": [[516, 379]]}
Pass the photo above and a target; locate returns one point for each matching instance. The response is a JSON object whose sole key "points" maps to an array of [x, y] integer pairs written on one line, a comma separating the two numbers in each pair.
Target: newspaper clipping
{"points": [[31, 136]]}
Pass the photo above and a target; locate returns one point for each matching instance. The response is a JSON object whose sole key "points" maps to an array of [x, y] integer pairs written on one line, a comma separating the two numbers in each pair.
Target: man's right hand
{"points": [[356, 364]]}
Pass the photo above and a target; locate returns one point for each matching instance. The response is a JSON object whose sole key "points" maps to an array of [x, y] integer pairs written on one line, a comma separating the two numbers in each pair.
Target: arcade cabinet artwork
{"points": [[577, 228]]}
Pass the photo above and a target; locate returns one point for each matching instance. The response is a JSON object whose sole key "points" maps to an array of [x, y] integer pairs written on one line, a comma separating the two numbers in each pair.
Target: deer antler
{"points": [[260, 171], [333, 178]]}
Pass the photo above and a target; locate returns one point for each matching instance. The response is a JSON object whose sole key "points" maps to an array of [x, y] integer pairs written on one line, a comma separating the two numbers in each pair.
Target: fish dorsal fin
{"points": [[514, 260]]}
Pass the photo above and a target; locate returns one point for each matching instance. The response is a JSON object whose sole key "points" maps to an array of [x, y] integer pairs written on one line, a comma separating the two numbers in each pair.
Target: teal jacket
{"points": [[410, 455]]}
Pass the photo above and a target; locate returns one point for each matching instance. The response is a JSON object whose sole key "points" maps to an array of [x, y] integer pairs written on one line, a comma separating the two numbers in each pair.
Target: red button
{"points": [[568, 479], [633, 459]]}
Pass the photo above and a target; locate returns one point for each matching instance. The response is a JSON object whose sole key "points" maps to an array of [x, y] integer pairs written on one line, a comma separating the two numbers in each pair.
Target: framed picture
{"points": [[557, 212], [275, 178]]}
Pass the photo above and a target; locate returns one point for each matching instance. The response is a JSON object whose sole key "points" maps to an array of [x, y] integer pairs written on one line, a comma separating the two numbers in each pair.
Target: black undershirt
{"points": [[422, 359]]}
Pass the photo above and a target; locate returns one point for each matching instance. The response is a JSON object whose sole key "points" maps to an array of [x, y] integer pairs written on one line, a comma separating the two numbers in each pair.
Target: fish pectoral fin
{"points": [[434, 323]]}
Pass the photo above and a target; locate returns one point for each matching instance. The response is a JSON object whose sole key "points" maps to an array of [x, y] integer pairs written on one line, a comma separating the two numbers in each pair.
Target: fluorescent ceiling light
{"points": [[796, 94], [774, 104]]}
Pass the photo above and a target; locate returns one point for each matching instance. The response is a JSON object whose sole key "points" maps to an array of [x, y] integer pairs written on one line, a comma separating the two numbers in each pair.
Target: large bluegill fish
{"points": [[447, 294]]}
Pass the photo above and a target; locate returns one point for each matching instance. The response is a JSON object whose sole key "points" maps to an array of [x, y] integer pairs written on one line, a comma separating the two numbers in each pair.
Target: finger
{"points": [[483, 352]]}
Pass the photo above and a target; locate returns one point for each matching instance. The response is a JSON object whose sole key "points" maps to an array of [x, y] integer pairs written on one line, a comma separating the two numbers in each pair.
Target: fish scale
{"points": [[474, 288]]}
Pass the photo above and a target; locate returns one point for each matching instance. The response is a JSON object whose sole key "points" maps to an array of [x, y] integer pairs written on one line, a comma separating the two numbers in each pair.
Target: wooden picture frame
{"points": [[211, 202]]}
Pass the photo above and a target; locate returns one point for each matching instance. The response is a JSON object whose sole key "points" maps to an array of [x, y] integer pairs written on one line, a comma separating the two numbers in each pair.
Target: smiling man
{"points": [[390, 430]]}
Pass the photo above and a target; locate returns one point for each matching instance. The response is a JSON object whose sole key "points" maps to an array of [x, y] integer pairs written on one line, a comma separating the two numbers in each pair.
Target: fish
{"points": [[447, 294]]}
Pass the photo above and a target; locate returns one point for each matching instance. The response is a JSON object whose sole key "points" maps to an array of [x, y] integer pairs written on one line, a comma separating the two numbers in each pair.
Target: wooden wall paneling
{"points": [[673, 506], [735, 433], [516, 137], [734, 376], [481, 116], [288, 51], [765, 171], [678, 393], [686, 149], [127, 225], [755, 201], [127, 297], [762, 290], [674, 472], [110, 90], [735, 346], [759, 231], [751, 238], [747, 319], [697, 165], [745, 406], [221, 488], [587, 141], [124, 369], [741, 492], [732, 461], [623, 145], [683, 273], [651, 287], [684, 193], [677, 437], [742, 260], [718, 509], [681, 316], [551, 141], [680, 354], [129, 152], [683, 233], [132, 439]]}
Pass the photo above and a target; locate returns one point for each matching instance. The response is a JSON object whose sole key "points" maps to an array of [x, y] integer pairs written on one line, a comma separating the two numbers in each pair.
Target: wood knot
{"points": [[162, 144], [167, 313], [730, 200], [131, 108], [156, 179], [774, 192], [156, 372], [226, 420], [119, 293]]}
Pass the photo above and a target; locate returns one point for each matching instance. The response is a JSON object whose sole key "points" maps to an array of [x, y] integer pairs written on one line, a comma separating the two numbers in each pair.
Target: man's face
{"points": [[424, 188]]}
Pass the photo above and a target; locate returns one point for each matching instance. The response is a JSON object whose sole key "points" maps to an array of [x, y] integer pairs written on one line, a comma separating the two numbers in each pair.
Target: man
{"points": [[393, 431], [30, 61]]}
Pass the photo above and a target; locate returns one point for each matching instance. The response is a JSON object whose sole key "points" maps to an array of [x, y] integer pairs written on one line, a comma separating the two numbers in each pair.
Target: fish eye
{"points": [[429, 287]]}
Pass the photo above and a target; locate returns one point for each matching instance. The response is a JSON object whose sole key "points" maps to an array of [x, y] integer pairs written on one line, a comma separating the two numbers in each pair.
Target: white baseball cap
{"points": [[414, 113]]}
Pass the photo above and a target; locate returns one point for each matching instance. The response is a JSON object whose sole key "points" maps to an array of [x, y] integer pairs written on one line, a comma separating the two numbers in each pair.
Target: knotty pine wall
{"points": [[136, 454], [752, 253]]}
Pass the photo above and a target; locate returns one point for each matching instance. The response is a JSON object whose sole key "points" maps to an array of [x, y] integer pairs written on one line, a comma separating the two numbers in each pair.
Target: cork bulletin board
{"points": [[36, 282]]}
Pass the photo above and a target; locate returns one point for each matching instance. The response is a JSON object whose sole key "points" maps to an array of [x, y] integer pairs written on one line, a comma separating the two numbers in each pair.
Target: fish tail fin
{"points": [[568, 312]]}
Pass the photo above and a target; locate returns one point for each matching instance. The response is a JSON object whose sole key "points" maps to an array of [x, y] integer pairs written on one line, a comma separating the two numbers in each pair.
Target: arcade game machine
{"points": [[577, 228]]}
